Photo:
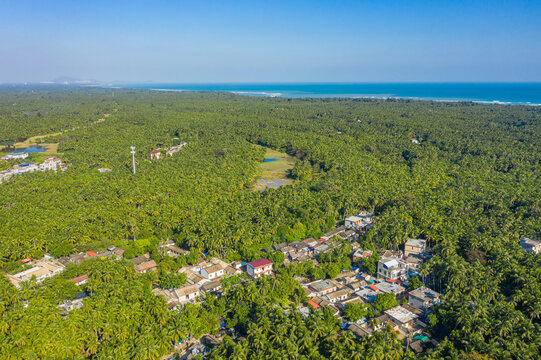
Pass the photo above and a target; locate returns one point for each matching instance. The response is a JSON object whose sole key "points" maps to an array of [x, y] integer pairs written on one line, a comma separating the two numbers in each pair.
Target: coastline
{"points": [[314, 91]]}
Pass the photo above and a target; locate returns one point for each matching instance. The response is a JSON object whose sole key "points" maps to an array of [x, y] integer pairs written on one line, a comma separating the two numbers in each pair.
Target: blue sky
{"points": [[271, 41]]}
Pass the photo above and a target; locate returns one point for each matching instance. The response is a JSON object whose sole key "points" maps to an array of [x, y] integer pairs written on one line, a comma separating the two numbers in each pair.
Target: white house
{"points": [[259, 267], [390, 268], [337, 296], [187, 293], [16, 155], [212, 272]]}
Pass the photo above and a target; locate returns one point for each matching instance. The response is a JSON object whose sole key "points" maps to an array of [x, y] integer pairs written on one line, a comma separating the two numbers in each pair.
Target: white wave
{"points": [[264, 93]]}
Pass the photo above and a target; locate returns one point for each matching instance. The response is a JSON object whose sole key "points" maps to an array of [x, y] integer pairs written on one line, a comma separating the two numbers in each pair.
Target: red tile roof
{"points": [[78, 279], [259, 263], [25, 260], [147, 266], [373, 287], [313, 304], [91, 253], [155, 152]]}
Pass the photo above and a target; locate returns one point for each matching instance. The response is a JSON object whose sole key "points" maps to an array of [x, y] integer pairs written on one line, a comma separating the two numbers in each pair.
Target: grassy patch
{"points": [[274, 170]]}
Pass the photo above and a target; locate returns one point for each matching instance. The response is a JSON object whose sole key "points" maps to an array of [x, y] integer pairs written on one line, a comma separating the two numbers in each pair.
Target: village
{"points": [[49, 163], [407, 318]]}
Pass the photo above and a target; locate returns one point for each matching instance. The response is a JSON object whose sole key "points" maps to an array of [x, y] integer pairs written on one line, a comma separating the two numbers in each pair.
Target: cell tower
{"points": [[133, 157]]}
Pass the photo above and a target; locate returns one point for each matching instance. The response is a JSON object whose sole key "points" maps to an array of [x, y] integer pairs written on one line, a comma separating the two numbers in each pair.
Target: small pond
{"points": [[32, 149], [269, 160]]}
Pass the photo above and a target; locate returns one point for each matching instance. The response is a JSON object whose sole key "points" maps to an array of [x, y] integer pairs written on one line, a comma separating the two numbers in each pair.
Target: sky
{"points": [[271, 41]]}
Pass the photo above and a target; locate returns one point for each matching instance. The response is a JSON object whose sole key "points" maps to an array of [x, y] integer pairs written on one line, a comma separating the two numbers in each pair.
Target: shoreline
{"points": [[285, 95]]}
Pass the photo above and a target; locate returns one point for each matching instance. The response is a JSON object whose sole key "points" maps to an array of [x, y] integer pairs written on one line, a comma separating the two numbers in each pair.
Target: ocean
{"points": [[488, 93]]}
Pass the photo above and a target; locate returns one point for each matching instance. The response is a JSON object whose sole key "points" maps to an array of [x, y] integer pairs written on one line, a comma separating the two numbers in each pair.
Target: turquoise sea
{"points": [[498, 93]]}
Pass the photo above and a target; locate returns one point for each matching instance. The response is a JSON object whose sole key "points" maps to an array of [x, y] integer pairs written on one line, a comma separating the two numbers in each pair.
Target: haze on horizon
{"points": [[271, 41]]}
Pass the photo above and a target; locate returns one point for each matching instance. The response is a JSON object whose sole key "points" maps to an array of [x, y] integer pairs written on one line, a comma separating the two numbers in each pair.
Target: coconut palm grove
{"points": [[395, 229]]}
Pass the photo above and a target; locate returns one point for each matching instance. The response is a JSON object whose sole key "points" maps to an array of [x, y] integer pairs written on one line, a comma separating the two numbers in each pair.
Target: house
{"points": [[169, 295], [424, 298], [313, 304], [368, 293], [321, 249], [118, 252], [74, 258], [193, 277], [311, 242], [91, 253], [361, 221], [530, 245], [391, 288], [175, 251], [140, 259], [187, 293], [80, 280], [213, 286], [401, 316], [333, 232], [19, 154], [41, 270], [212, 272], [299, 246], [70, 305], [319, 301], [357, 285], [360, 330], [232, 270], [259, 267], [357, 255], [323, 287], [337, 296], [382, 321], [155, 154], [414, 246], [413, 263], [414, 141], [390, 268], [365, 276], [278, 247], [146, 267]]}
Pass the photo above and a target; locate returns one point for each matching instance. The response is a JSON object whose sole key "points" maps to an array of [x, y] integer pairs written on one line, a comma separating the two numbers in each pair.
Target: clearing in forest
{"points": [[274, 170]]}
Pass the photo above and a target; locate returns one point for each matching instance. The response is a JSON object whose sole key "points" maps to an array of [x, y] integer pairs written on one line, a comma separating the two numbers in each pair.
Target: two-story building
{"points": [[414, 246], [390, 268], [259, 267], [424, 298]]}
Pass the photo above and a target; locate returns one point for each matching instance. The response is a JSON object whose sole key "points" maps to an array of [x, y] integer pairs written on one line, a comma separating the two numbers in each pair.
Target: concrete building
{"points": [[414, 246], [530, 245], [259, 267], [424, 298], [390, 268]]}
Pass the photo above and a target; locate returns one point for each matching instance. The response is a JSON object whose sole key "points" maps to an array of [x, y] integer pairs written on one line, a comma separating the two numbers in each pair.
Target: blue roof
{"points": [[26, 164]]}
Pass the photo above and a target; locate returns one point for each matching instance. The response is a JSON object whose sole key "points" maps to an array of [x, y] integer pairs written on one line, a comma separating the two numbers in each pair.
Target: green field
{"points": [[274, 170]]}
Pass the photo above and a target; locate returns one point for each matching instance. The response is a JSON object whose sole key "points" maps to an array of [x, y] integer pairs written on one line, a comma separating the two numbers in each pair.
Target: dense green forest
{"points": [[472, 188]]}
